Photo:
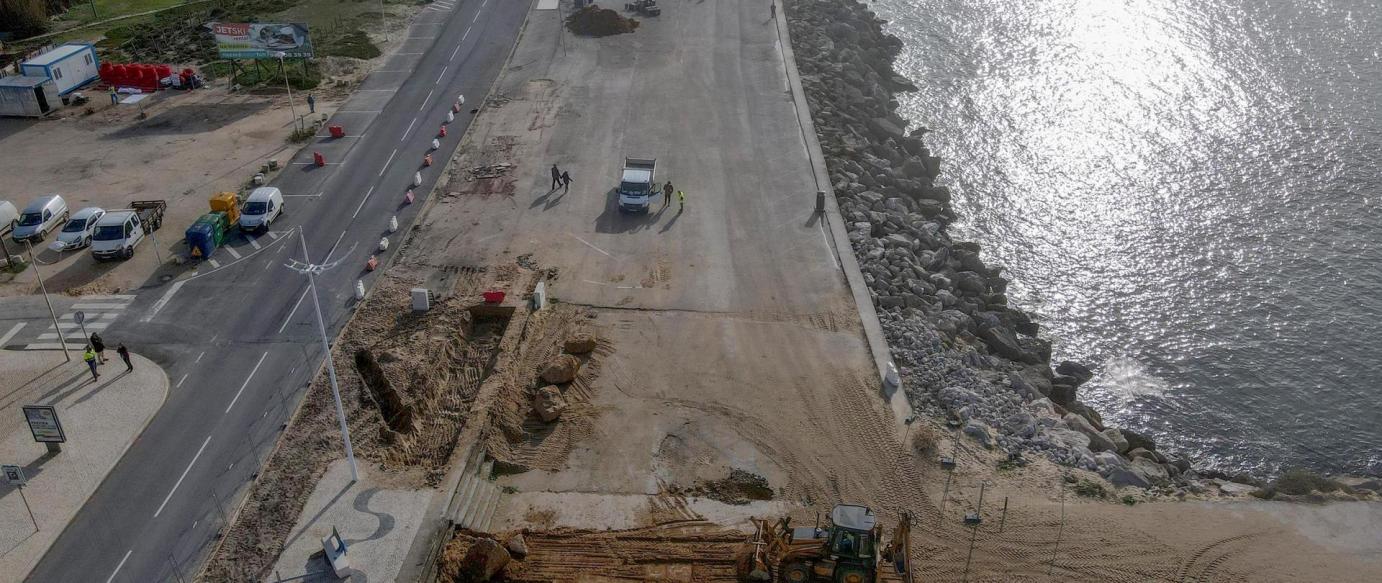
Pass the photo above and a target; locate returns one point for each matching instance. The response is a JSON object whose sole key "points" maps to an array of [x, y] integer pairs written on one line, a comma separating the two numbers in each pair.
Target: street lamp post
{"points": [[280, 55], [311, 270], [51, 312]]}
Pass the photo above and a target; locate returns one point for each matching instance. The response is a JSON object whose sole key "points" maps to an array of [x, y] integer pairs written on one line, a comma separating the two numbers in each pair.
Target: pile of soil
{"points": [[739, 488], [595, 21]]}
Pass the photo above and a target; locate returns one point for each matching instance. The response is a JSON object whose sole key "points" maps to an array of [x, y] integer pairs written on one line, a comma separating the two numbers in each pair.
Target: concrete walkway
{"points": [[101, 420], [377, 523]]}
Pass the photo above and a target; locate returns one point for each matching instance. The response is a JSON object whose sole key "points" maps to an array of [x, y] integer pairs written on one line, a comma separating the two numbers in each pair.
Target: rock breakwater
{"points": [[964, 354]]}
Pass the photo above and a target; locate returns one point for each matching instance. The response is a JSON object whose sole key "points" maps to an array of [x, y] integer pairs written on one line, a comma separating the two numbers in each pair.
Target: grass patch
{"points": [[1299, 482], [106, 9], [924, 439], [1128, 499], [1090, 489], [354, 44]]}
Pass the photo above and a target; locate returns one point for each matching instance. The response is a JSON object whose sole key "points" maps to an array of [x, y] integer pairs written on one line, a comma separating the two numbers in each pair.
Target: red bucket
{"points": [[493, 297]]}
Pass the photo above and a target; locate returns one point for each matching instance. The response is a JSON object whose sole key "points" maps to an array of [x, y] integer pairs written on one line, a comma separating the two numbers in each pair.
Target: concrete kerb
{"points": [[873, 330], [165, 384]]}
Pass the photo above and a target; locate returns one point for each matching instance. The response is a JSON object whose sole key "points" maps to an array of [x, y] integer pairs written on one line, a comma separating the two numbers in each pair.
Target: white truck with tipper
{"points": [[636, 184], [119, 232]]}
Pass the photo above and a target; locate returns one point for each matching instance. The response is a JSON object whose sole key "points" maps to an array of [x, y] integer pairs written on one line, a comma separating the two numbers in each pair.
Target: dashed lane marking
{"points": [[117, 567], [175, 489], [242, 387]]}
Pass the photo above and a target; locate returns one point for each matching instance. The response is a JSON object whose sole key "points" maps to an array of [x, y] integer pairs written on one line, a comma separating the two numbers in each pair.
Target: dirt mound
{"points": [[595, 21], [739, 488]]}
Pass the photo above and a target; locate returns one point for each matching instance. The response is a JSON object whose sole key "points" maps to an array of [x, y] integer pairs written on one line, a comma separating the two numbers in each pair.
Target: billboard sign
{"points": [[44, 424], [262, 40]]}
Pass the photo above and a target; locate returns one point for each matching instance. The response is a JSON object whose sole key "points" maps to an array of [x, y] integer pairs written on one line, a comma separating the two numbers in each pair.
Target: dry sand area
{"points": [[730, 340]]}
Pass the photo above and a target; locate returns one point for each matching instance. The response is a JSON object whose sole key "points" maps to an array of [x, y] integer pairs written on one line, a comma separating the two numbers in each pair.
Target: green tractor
{"points": [[849, 550]]}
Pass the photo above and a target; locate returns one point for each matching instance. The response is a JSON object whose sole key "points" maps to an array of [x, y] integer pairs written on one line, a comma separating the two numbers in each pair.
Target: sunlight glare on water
{"points": [[1185, 193]]}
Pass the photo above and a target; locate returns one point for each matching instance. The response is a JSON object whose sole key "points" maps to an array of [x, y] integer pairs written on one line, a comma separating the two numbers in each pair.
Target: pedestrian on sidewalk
{"points": [[125, 356], [681, 198], [90, 357], [114, 97], [667, 194], [565, 182], [311, 103], [772, 9], [556, 177], [99, 346]]}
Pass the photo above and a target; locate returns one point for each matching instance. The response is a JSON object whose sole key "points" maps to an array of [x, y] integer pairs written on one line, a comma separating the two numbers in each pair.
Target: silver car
{"points": [[76, 234]]}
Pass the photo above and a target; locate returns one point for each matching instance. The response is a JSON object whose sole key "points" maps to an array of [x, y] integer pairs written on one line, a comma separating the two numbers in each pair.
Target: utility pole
{"points": [[311, 271], [51, 312], [280, 55]]}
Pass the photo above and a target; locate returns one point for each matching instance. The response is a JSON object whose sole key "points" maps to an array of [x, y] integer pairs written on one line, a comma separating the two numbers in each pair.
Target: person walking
{"points": [[772, 9], [667, 194], [99, 346], [565, 182], [681, 198], [125, 356], [556, 177], [311, 103], [90, 357]]}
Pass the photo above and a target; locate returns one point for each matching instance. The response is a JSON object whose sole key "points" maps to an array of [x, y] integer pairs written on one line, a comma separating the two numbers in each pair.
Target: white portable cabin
{"points": [[23, 96], [69, 66]]}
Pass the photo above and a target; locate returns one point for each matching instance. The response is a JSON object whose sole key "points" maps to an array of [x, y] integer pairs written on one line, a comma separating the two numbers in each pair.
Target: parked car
{"points": [[261, 208], [119, 232], [41, 216], [77, 232]]}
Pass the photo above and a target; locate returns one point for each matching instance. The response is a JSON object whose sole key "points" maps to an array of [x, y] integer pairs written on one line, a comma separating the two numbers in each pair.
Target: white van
{"points": [[261, 208], [42, 215], [8, 215]]}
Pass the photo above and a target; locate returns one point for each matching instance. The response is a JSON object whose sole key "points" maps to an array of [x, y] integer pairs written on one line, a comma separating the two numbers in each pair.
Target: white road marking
{"points": [[467, 33], [233, 252], [88, 306], [483, 4], [587, 244], [428, 98], [11, 333], [477, 16], [175, 488], [410, 127], [443, 74], [362, 202], [163, 301], [361, 111], [407, 53], [333, 247], [421, 37], [268, 264], [108, 297], [179, 385], [214, 263], [828, 249], [387, 162], [242, 387], [47, 346], [254, 242], [117, 567], [199, 357], [458, 47], [314, 164], [295, 310], [273, 234]]}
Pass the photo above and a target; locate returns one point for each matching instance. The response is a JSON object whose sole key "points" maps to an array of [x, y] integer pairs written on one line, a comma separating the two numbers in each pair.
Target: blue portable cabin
{"points": [[69, 66]]}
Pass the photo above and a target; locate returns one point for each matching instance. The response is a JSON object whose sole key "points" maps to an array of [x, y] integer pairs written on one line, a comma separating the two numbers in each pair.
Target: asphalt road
{"points": [[239, 342]]}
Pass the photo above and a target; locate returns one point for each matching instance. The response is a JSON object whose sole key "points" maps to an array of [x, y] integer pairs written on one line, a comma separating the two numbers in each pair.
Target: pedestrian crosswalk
{"points": [[99, 312], [442, 6]]}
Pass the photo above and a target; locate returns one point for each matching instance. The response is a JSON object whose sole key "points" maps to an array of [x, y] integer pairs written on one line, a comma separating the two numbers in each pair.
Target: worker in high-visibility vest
{"points": [[681, 198], [90, 357]]}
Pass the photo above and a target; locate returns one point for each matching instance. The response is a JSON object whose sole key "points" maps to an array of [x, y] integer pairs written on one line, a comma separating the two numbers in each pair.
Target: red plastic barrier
{"points": [[493, 296], [318, 158], [337, 132]]}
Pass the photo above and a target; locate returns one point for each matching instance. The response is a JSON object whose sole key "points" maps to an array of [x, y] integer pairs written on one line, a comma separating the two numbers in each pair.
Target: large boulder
{"points": [[1076, 370], [1088, 413], [517, 546], [548, 403], [970, 282], [485, 559], [1097, 441], [562, 369], [580, 343], [1154, 472], [1069, 438], [1003, 342], [1062, 392], [1109, 461], [980, 433], [1137, 440], [1127, 476], [1120, 443]]}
